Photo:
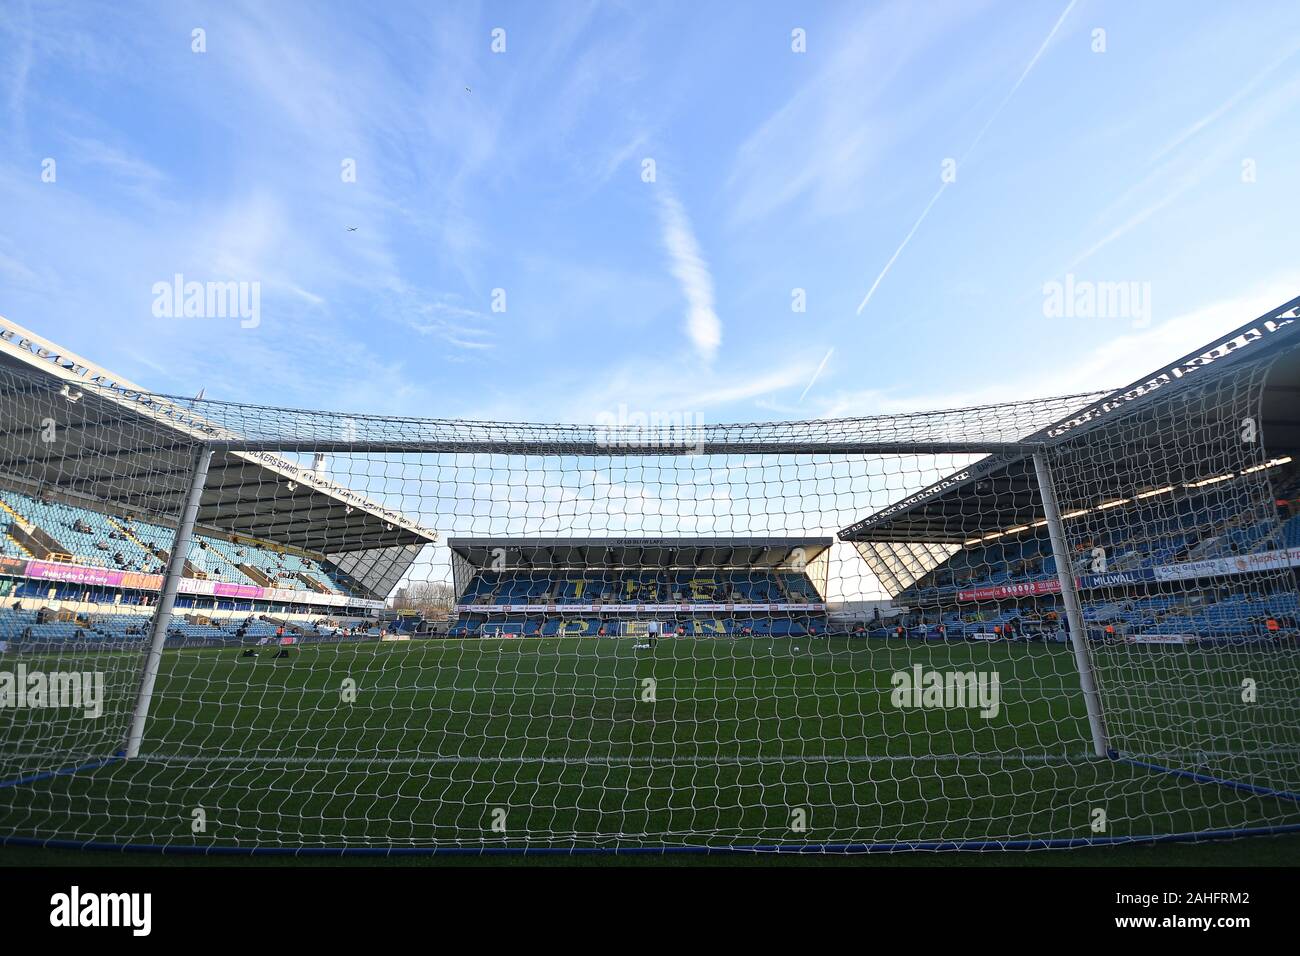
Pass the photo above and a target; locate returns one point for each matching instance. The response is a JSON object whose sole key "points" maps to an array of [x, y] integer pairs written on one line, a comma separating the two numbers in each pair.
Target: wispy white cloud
{"points": [[453, 323], [20, 33], [617, 156], [93, 152], [703, 327], [646, 383], [913, 45], [1231, 103], [14, 270], [461, 192], [1182, 168], [819, 148]]}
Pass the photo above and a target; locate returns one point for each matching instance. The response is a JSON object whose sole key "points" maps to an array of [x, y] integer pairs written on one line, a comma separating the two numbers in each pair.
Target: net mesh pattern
{"points": [[406, 633]]}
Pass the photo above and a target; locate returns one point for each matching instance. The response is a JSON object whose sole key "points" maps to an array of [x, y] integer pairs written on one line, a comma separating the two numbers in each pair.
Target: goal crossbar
{"points": [[647, 446]]}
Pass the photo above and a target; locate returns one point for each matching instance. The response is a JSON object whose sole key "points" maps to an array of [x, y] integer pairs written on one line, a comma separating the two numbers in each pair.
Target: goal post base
{"points": [[63, 772], [1192, 775]]}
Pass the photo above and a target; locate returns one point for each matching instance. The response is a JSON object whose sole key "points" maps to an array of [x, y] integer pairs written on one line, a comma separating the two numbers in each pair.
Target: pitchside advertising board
{"points": [[62, 573], [1217, 567], [632, 608], [641, 629]]}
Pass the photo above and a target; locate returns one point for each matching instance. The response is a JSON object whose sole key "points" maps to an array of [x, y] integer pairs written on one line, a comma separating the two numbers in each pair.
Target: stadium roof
{"points": [[127, 448], [641, 553], [999, 491]]}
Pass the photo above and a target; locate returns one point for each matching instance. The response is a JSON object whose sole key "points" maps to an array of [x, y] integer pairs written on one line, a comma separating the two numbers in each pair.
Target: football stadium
{"points": [[1049, 624]]}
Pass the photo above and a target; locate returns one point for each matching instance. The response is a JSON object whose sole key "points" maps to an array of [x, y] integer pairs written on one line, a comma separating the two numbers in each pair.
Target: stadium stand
{"points": [[707, 587], [90, 538], [1203, 556], [85, 539], [1132, 545]]}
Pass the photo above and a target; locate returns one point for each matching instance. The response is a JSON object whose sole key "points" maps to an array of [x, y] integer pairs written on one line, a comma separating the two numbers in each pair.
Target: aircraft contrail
{"points": [[975, 142]]}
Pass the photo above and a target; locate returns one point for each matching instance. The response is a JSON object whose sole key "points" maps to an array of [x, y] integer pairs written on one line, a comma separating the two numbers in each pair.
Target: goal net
{"points": [[1052, 623]]}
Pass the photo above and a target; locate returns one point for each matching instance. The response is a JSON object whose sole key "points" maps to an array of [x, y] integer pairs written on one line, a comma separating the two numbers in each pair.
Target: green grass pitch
{"points": [[596, 743]]}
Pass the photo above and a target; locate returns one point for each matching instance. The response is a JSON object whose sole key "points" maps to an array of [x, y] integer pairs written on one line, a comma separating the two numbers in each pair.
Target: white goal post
{"points": [[234, 626]]}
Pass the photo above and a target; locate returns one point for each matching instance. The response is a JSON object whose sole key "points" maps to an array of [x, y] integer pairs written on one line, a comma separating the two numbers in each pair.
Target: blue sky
{"points": [[523, 171]]}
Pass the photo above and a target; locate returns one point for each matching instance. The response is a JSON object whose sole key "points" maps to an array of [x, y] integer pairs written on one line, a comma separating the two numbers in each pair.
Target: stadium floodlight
{"points": [[965, 629]]}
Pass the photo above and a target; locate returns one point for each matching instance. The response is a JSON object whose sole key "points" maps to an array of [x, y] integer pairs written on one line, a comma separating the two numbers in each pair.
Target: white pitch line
{"points": [[1079, 757], [731, 686]]}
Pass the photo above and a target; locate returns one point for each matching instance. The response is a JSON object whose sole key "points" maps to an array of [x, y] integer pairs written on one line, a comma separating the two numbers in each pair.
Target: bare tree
{"points": [[434, 598]]}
